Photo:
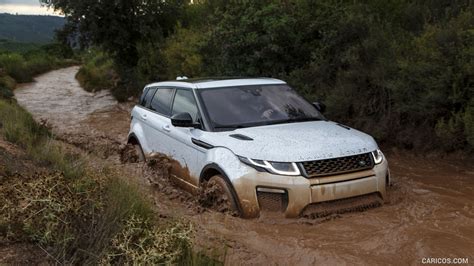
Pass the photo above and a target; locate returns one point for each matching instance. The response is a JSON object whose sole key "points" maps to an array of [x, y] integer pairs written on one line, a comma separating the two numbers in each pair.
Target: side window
{"points": [[184, 102], [161, 102], [147, 97]]}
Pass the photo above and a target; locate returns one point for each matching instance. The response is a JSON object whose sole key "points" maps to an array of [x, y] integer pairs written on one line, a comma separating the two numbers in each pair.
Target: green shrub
{"points": [[469, 123], [38, 63], [5, 92], [7, 81], [14, 65], [97, 72]]}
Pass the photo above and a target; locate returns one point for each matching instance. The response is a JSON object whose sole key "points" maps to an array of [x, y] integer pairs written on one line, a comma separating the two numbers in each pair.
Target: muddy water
{"points": [[430, 212]]}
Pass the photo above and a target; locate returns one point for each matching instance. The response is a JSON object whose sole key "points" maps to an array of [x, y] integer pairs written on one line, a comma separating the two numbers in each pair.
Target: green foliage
{"points": [[181, 54], [14, 65], [22, 67], [399, 70], [7, 84], [128, 24], [97, 72], [469, 123], [17, 47]]}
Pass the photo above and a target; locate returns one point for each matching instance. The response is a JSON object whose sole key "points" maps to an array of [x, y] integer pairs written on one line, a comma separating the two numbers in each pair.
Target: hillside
{"points": [[29, 28]]}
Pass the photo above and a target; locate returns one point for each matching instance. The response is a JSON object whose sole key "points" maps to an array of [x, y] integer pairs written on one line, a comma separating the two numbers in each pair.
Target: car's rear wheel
{"points": [[132, 153], [220, 196], [139, 152]]}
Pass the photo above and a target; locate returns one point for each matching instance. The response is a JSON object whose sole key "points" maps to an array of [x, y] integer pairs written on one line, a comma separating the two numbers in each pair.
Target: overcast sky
{"points": [[30, 7]]}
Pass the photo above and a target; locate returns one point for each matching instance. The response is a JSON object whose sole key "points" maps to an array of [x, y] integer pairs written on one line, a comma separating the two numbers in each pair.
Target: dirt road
{"points": [[430, 213]]}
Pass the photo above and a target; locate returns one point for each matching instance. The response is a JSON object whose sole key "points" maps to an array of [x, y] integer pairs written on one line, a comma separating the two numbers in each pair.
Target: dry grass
{"points": [[79, 215]]}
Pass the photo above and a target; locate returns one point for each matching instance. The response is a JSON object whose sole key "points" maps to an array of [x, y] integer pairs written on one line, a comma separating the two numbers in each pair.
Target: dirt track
{"points": [[430, 213]]}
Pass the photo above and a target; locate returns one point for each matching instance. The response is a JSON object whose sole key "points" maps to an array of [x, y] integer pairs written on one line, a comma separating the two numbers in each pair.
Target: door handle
{"points": [[167, 128], [144, 116]]}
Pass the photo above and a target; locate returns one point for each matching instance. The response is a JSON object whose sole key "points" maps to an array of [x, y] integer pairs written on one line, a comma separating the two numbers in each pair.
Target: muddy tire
{"points": [[218, 196], [132, 153], [139, 152]]}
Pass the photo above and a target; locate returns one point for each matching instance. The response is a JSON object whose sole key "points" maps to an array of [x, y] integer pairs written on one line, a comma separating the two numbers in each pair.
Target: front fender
{"points": [[228, 162]]}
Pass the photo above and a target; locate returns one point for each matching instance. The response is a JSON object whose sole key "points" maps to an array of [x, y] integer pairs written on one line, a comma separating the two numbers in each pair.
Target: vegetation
{"points": [[400, 70], [17, 47], [21, 67], [97, 72], [29, 28], [75, 213]]}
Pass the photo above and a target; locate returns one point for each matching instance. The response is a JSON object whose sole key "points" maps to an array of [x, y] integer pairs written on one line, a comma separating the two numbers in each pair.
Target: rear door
{"points": [[140, 116], [158, 121]]}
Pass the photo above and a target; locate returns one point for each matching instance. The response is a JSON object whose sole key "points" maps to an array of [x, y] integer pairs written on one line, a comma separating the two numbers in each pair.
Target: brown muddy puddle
{"points": [[430, 212]]}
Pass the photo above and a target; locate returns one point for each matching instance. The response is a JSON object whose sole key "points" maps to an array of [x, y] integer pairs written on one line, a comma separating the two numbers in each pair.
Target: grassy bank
{"points": [[76, 214]]}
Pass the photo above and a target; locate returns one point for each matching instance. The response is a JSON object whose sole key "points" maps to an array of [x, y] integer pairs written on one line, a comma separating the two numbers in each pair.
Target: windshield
{"points": [[245, 106]]}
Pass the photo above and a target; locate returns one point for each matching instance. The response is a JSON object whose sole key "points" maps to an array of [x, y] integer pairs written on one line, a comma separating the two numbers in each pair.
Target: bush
{"points": [[5, 93], [14, 65], [97, 72]]}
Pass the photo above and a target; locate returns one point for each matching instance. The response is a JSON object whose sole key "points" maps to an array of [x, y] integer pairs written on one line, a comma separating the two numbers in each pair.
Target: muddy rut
{"points": [[430, 213]]}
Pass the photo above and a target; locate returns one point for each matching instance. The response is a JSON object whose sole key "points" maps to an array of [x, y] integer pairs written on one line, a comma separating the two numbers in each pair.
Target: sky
{"points": [[25, 7]]}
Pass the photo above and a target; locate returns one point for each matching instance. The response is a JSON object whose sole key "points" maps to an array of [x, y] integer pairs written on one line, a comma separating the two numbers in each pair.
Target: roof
{"points": [[205, 83]]}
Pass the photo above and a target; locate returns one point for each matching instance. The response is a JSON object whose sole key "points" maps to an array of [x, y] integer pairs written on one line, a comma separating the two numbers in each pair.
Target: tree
{"points": [[119, 26]]}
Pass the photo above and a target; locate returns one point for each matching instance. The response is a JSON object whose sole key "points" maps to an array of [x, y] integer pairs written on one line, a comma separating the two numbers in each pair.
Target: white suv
{"points": [[262, 143]]}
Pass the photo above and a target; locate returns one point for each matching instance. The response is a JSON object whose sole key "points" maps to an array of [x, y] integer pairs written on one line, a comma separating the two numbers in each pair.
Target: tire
{"points": [[139, 151], [226, 196]]}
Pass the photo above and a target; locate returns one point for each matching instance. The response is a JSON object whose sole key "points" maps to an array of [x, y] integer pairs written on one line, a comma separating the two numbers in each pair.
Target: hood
{"points": [[294, 142]]}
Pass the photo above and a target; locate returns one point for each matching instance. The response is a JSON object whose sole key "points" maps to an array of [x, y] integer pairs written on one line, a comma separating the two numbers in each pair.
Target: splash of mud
{"points": [[429, 213]]}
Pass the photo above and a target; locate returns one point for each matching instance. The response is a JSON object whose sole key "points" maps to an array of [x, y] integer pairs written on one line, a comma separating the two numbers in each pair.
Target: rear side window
{"points": [[161, 102], [184, 102], [146, 99]]}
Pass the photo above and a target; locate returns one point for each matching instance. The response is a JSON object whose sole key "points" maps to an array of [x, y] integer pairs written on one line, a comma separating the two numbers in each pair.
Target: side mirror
{"points": [[321, 107], [183, 120]]}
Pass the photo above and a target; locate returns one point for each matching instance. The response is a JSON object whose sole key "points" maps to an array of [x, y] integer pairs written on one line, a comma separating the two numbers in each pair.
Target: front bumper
{"points": [[301, 192]]}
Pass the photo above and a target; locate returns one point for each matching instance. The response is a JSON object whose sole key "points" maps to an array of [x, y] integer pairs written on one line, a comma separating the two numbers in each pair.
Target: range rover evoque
{"points": [[264, 145]]}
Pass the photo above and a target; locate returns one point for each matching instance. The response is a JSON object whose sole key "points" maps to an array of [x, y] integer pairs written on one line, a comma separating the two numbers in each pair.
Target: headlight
{"points": [[278, 168], [378, 156]]}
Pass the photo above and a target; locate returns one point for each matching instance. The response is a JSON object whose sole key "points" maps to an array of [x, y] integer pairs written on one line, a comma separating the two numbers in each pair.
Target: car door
{"points": [[140, 117], [185, 153], [157, 121]]}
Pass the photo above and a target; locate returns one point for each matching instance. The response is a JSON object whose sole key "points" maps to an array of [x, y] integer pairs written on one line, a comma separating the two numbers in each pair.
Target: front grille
{"points": [[276, 202], [353, 204], [338, 165]]}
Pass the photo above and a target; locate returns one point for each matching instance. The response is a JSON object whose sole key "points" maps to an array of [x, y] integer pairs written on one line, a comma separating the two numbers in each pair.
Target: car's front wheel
{"points": [[218, 196]]}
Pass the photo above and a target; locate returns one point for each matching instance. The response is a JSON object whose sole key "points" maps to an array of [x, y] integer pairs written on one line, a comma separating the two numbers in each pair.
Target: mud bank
{"points": [[430, 212]]}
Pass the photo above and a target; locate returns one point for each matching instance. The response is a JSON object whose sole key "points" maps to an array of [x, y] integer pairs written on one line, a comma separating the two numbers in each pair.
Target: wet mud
{"points": [[429, 211]]}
